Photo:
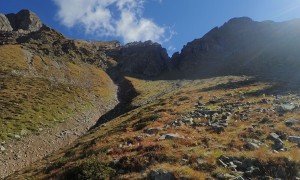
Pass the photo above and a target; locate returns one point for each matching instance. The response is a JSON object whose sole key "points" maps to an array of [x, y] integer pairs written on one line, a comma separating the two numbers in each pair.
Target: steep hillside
{"points": [[244, 47], [218, 128], [50, 90]]}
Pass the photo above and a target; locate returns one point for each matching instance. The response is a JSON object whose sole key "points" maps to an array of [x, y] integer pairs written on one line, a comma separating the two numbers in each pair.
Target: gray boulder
{"points": [[152, 130], [171, 136], [273, 136], [188, 120], [4, 23], [25, 20], [278, 143], [291, 122], [295, 139], [161, 175], [283, 108], [252, 146]]}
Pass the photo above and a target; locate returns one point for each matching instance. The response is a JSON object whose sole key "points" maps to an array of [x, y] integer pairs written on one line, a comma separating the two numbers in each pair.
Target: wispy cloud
{"points": [[119, 18]]}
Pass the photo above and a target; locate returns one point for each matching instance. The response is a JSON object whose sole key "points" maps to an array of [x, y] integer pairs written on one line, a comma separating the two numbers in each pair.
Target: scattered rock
{"points": [[295, 139], [291, 122], [217, 128], [266, 121], [228, 176], [278, 143], [152, 130], [161, 175], [2, 148], [188, 120], [283, 108], [17, 136], [252, 146], [252, 171], [171, 136], [177, 123], [273, 136], [238, 178]]}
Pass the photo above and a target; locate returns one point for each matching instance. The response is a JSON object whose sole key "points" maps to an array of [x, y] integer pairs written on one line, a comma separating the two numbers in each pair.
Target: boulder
{"points": [[252, 146], [273, 136], [217, 128], [295, 139], [2, 148], [188, 120], [283, 108], [291, 122], [4, 23], [161, 175], [171, 136], [25, 20], [278, 143], [152, 130]]}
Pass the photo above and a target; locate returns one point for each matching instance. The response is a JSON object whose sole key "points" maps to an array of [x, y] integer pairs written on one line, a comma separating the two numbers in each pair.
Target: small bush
{"points": [[88, 169], [56, 165], [184, 98]]}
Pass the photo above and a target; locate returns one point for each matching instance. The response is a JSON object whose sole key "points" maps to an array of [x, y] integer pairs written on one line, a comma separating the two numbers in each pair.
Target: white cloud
{"points": [[119, 18]]}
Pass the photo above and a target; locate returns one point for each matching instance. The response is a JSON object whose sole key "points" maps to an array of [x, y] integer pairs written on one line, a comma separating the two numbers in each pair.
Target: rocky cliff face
{"points": [[25, 20], [142, 58], [4, 23], [244, 47]]}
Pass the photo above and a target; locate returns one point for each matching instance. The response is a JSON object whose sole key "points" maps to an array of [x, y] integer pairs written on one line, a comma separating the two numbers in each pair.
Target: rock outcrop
{"points": [[142, 58], [25, 20], [4, 23]]}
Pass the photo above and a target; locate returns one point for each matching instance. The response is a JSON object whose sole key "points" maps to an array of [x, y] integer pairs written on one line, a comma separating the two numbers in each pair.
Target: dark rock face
{"points": [[25, 20], [4, 23], [244, 47], [142, 58]]}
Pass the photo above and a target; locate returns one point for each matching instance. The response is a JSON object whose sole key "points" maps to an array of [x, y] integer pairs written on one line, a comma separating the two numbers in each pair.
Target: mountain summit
{"points": [[24, 20], [244, 47]]}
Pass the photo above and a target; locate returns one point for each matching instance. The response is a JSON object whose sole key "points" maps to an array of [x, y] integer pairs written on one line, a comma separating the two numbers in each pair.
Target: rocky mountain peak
{"points": [[141, 58], [240, 20], [24, 20]]}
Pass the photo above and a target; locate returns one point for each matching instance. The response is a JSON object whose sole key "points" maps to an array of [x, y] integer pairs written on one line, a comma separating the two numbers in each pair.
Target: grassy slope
{"points": [[44, 92], [110, 141]]}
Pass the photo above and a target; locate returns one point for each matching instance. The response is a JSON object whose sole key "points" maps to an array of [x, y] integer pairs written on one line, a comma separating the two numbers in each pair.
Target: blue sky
{"points": [[173, 23]]}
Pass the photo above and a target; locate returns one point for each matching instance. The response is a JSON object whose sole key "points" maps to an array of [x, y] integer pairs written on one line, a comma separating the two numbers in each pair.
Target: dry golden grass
{"points": [[12, 58], [44, 92], [108, 141]]}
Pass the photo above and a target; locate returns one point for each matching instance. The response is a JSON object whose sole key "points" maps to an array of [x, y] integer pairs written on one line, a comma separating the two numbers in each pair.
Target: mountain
{"points": [[244, 47], [222, 108]]}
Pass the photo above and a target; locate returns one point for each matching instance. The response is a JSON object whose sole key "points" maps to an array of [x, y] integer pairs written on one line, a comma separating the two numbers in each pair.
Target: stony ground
{"points": [[24, 151], [218, 128], [46, 104]]}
